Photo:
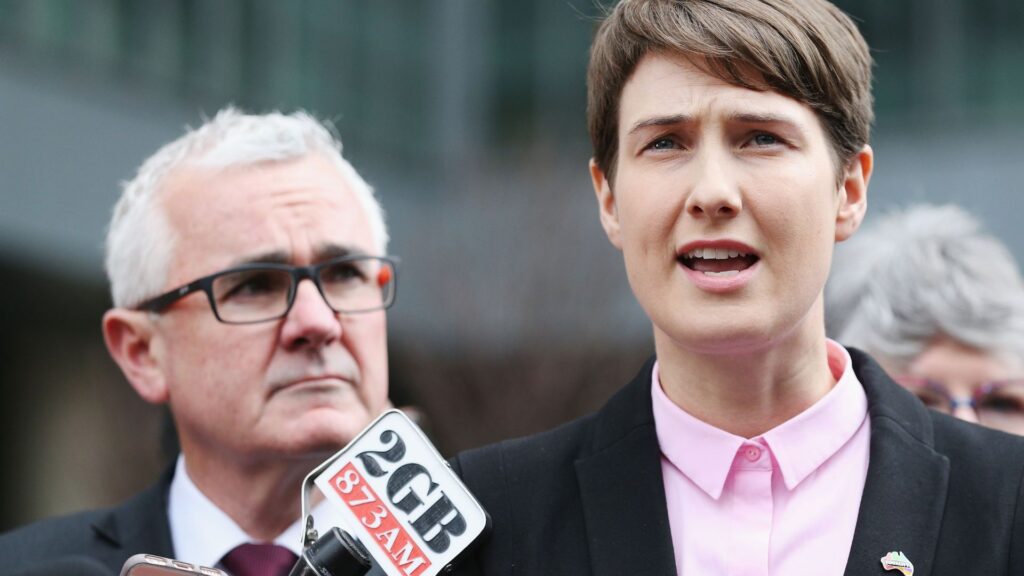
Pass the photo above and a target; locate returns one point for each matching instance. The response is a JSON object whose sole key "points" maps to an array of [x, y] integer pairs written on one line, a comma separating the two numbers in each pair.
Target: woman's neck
{"points": [[751, 391]]}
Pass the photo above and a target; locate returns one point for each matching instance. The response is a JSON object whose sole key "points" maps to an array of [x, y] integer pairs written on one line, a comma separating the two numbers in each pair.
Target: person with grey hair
{"points": [[265, 375], [940, 304]]}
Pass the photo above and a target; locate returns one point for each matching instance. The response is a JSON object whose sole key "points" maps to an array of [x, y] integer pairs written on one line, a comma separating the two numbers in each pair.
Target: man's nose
{"points": [[714, 193], [310, 323]]}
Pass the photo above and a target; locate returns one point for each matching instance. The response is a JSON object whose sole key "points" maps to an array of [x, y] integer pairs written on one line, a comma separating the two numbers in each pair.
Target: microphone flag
{"points": [[401, 499]]}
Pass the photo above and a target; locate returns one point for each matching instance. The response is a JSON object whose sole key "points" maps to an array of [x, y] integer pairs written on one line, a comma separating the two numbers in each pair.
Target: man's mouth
{"points": [[717, 261], [310, 383]]}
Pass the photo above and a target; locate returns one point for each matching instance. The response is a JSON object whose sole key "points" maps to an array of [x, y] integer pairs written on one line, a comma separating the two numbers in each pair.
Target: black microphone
{"points": [[67, 566], [336, 553]]}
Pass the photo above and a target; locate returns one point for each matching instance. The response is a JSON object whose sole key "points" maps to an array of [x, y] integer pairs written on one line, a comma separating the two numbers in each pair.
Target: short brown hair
{"points": [[808, 50]]}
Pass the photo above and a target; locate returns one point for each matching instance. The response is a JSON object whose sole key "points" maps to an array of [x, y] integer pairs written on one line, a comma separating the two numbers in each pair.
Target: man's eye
{"points": [[255, 285], [346, 272], [249, 285]]}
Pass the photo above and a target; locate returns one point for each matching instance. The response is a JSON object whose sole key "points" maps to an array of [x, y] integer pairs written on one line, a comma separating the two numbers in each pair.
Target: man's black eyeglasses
{"points": [[262, 292]]}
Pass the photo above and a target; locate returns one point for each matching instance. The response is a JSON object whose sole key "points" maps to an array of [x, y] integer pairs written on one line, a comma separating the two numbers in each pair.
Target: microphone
{"points": [[67, 566], [336, 553], [405, 507]]}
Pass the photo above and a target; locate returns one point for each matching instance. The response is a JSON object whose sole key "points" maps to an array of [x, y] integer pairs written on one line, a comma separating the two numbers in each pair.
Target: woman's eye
{"points": [[931, 398], [663, 144], [1000, 401], [764, 139]]}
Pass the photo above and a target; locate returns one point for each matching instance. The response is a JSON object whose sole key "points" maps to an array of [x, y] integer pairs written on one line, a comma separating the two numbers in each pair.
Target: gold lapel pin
{"points": [[898, 561]]}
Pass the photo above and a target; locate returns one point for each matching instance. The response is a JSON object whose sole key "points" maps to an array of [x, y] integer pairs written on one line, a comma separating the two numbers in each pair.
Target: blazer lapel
{"points": [[622, 490], [138, 525], [905, 491]]}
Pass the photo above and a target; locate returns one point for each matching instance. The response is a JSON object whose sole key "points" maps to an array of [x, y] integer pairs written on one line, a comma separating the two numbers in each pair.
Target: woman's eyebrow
{"points": [[744, 117], [763, 118], [669, 120]]}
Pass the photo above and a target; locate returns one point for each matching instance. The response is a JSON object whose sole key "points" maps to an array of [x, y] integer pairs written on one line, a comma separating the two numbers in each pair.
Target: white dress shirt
{"points": [[202, 533]]}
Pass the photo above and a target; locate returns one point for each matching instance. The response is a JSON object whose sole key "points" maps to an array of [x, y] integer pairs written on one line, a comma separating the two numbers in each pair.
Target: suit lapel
{"points": [[905, 491], [138, 525], [622, 490]]}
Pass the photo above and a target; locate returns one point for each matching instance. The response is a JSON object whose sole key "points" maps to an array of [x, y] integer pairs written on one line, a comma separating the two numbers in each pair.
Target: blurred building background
{"points": [[468, 118]]}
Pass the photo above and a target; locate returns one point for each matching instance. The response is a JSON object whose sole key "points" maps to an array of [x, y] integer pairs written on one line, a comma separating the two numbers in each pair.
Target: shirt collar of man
{"points": [[705, 454], [202, 533]]}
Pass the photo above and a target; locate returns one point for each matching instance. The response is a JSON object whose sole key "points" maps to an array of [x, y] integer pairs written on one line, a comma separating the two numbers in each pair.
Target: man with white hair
{"points": [[265, 375]]}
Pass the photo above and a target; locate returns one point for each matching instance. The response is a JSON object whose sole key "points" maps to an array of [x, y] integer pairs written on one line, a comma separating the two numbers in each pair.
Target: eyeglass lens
{"points": [[1003, 407], [1000, 406], [264, 293]]}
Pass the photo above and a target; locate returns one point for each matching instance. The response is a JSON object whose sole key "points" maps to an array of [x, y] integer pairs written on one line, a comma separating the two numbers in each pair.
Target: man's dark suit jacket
{"points": [[108, 536], [588, 498]]}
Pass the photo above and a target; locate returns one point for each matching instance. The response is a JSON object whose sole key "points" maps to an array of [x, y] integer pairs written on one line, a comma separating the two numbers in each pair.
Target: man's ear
{"points": [[606, 204], [853, 195], [132, 342]]}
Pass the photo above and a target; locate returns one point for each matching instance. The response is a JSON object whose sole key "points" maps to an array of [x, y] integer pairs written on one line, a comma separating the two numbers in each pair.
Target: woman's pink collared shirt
{"points": [[780, 504]]}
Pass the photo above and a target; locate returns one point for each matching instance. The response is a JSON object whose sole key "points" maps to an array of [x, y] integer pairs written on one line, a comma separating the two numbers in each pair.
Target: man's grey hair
{"points": [[140, 240], [923, 272]]}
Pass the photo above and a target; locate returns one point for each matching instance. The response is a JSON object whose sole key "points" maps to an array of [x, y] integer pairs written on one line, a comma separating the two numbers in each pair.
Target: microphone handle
{"points": [[336, 553]]}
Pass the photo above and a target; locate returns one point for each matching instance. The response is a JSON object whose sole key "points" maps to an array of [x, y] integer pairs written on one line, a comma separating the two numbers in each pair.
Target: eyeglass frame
{"points": [[159, 304], [955, 402]]}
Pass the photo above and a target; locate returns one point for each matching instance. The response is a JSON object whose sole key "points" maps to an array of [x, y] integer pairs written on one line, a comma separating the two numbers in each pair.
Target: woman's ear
{"points": [[853, 193], [606, 204]]}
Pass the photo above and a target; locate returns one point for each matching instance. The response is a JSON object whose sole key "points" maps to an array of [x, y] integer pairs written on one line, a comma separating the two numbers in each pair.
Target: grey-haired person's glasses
{"points": [[262, 292], [999, 404]]}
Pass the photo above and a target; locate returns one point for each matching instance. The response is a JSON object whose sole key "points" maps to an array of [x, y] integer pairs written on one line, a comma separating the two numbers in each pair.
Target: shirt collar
{"points": [[705, 454], [806, 441], [202, 533]]}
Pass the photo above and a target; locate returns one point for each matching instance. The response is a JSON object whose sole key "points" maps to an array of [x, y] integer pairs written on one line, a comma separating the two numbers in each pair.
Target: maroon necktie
{"points": [[259, 560]]}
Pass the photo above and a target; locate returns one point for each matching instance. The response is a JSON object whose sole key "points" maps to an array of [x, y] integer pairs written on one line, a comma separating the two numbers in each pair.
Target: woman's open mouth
{"points": [[717, 261]]}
